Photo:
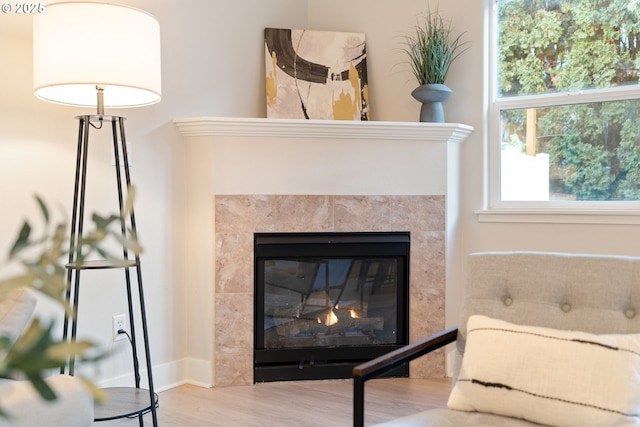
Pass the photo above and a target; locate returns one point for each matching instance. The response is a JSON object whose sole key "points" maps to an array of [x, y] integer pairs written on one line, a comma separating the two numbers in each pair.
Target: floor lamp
{"points": [[101, 55]]}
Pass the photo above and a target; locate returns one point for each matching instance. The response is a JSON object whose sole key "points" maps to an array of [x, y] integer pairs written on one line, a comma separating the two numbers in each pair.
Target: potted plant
{"points": [[38, 262], [431, 49]]}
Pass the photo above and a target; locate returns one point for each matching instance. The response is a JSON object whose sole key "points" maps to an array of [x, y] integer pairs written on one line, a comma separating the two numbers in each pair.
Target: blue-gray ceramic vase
{"points": [[431, 96]]}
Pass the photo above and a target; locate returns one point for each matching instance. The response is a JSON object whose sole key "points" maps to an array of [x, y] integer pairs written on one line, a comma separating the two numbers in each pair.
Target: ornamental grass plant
{"points": [[432, 48]]}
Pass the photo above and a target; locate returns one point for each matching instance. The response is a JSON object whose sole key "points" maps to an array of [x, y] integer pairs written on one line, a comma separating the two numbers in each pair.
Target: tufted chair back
{"points": [[591, 293]]}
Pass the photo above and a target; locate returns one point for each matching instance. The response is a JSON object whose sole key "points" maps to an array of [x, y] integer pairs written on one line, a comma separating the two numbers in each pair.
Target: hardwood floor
{"points": [[293, 404]]}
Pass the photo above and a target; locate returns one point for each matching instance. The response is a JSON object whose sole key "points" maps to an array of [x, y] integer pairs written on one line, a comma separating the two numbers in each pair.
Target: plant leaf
{"points": [[23, 239], [43, 209], [62, 350], [99, 395], [128, 204], [41, 386], [20, 281], [5, 415], [131, 244]]}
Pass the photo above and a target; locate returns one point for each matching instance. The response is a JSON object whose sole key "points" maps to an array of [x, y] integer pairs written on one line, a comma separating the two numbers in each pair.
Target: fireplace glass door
{"points": [[327, 301], [321, 302]]}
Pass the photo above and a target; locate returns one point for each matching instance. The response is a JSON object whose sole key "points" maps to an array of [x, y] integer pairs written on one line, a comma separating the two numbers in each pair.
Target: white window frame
{"points": [[497, 210]]}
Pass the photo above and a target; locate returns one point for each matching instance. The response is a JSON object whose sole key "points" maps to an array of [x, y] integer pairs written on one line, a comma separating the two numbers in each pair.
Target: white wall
{"points": [[213, 66]]}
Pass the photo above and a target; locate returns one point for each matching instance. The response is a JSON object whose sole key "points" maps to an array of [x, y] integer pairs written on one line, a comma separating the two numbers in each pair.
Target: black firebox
{"points": [[325, 302]]}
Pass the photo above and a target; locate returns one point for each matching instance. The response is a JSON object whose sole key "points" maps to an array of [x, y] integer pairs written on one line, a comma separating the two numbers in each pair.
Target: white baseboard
{"points": [[169, 375], [200, 372], [450, 361]]}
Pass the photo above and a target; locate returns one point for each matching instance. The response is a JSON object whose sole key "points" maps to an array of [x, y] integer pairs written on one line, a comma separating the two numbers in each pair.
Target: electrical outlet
{"points": [[119, 322]]}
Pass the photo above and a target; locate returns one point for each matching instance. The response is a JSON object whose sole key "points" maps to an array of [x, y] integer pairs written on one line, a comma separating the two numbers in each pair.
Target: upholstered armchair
{"points": [[73, 406], [543, 339]]}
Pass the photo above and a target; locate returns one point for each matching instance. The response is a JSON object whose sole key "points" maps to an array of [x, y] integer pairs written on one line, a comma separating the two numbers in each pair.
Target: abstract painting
{"points": [[316, 75]]}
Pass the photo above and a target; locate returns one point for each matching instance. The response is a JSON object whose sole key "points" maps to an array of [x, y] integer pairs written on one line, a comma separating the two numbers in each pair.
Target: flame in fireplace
{"points": [[332, 319], [354, 314]]}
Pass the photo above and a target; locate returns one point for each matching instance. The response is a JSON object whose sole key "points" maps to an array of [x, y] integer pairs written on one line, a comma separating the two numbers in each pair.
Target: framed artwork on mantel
{"points": [[316, 75]]}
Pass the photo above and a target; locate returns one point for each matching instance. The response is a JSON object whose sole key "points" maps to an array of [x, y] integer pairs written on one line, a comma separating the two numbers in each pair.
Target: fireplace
{"points": [[324, 302], [348, 185]]}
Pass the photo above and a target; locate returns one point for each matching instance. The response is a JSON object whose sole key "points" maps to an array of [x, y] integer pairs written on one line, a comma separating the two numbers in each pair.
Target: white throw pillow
{"points": [[548, 376]]}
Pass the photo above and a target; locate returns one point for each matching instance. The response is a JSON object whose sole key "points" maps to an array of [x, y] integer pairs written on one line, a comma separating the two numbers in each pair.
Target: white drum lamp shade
{"points": [[80, 46]]}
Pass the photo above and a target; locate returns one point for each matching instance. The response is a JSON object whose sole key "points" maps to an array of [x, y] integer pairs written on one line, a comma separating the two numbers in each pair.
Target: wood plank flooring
{"points": [[293, 404]]}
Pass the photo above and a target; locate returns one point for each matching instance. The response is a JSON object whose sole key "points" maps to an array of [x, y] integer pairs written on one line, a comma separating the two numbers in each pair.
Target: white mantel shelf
{"points": [[408, 131]]}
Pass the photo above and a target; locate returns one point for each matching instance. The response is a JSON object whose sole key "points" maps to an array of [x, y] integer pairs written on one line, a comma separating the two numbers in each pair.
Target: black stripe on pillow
{"points": [[513, 389], [537, 334]]}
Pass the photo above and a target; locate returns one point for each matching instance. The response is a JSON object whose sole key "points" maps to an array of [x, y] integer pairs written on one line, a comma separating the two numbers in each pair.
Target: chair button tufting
{"points": [[566, 308], [508, 301], [630, 314]]}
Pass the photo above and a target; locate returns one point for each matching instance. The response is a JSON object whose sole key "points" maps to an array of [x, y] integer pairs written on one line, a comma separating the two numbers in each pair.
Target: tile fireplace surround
{"points": [[265, 175]]}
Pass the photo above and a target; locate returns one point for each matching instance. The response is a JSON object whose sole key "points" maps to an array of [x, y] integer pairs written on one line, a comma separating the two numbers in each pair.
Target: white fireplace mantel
{"points": [[330, 129], [292, 156]]}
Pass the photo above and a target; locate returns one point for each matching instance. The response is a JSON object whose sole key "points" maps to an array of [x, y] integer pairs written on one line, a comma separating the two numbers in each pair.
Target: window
{"points": [[565, 119]]}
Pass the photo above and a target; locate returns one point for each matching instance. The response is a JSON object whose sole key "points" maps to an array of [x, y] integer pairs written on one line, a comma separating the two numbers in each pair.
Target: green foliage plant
{"points": [[41, 267], [432, 48]]}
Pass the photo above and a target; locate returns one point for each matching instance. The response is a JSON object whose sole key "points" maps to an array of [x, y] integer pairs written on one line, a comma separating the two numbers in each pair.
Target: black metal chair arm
{"points": [[380, 365]]}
